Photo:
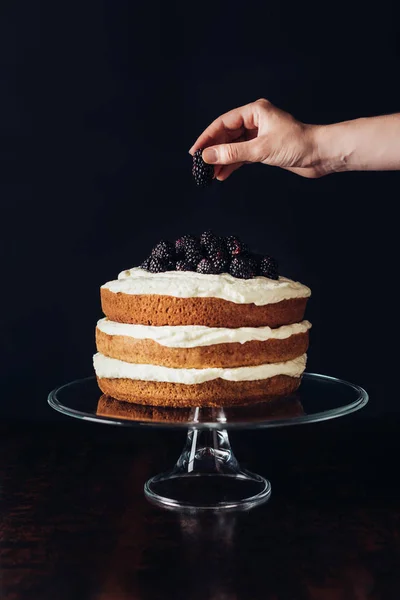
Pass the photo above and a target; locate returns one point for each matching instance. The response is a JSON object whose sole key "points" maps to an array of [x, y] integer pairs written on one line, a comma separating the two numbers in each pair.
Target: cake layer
{"points": [[279, 345], [111, 368], [159, 310], [217, 392], [189, 284], [192, 336]]}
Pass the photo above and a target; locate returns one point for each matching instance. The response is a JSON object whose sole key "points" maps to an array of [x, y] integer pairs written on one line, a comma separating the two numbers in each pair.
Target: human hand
{"points": [[259, 132]]}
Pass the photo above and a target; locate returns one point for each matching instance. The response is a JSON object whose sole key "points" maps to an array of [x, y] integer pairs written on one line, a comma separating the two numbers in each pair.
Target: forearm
{"points": [[367, 144]]}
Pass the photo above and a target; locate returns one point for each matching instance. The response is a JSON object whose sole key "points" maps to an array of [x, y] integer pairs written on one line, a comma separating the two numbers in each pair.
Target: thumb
{"points": [[229, 154]]}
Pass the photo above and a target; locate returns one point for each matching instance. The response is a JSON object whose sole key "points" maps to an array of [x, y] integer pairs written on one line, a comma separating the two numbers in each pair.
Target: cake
{"points": [[180, 335]]}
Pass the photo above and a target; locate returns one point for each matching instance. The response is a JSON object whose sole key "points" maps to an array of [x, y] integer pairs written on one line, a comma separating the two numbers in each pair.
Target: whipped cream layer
{"points": [[188, 284], [111, 368], [193, 336]]}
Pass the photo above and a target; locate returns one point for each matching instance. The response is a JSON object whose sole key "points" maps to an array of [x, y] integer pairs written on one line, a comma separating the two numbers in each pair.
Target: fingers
{"points": [[217, 171], [307, 172], [229, 126], [227, 170], [228, 154]]}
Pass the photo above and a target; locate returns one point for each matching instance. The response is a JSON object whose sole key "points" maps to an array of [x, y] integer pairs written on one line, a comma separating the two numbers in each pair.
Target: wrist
{"points": [[332, 148]]}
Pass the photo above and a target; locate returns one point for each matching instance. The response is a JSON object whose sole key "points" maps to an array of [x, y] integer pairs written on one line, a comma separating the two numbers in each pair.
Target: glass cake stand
{"points": [[207, 474]]}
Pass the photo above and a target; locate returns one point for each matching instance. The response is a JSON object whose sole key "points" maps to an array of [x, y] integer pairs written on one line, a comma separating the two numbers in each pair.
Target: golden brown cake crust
{"points": [[210, 312], [217, 392], [218, 355]]}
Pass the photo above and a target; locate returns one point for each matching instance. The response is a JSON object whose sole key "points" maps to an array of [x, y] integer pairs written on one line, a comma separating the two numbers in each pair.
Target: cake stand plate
{"points": [[207, 475]]}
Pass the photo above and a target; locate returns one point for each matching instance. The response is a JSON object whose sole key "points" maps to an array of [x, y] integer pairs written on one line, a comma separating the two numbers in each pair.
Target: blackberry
{"points": [[209, 241], [184, 265], [207, 237], [170, 265], [202, 172], [241, 267], [221, 266], [164, 250], [188, 249], [254, 259], [219, 259], [160, 266], [235, 246], [206, 267], [185, 242], [193, 254], [156, 265], [145, 264], [269, 267]]}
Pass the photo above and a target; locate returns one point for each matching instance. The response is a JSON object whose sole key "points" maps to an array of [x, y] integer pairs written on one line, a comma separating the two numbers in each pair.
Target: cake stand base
{"points": [[207, 476]]}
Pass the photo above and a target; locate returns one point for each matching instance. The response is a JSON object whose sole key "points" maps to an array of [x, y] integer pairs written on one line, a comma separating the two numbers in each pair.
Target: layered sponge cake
{"points": [[181, 337]]}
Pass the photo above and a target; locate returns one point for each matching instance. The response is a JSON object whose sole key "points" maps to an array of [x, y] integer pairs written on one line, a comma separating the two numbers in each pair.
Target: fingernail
{"points": [[210, 155]]}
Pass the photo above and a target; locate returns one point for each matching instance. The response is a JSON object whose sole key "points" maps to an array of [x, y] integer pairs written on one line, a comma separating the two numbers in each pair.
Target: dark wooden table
{"points": [[74, 523]]}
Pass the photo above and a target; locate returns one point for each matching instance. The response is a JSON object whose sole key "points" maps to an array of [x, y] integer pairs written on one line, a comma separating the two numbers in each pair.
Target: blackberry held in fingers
{"points": [[202, 172]]}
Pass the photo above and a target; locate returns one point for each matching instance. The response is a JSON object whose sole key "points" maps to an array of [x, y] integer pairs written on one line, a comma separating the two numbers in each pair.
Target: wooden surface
{"points": [[74, 523]]}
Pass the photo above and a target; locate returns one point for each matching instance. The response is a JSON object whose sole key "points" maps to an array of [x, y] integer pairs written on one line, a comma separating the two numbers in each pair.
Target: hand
{"points": [[259, 132]]}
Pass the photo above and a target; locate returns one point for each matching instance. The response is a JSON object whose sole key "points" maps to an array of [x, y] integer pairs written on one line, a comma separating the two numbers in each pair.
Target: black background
{"points": [[100, 102]]}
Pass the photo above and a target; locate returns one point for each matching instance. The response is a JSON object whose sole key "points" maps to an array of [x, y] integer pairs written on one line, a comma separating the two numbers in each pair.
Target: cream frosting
{"points": [[111, 368], [187, 284], [192, 336]]}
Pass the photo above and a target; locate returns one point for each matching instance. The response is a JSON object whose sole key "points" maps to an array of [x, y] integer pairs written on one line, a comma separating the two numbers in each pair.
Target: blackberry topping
{"points": [[220, 266], [164, 250], [207, 237], [269, 267], [254, 260], [241, 267], [210, 241], [145, 264], [210, 254], [202, 172], [234, 245], [193, 254], [206, 267], [188, 249], [156, 265], [160, 266], [170, 265], [185, 242], [218, 245], [184, 265], [219, 259]]}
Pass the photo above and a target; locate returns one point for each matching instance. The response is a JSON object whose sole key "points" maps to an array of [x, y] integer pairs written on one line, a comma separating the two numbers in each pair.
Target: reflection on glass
{"points": [[319, 398], [281, 408]]}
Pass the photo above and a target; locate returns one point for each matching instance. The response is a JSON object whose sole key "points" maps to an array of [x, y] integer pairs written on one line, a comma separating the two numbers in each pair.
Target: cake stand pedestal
{"points": [[207, 475]]}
